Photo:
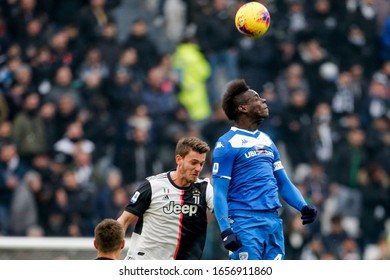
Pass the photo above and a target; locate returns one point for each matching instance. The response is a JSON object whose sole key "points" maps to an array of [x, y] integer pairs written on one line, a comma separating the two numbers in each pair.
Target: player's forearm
{"points": [[126, 219], [122, 221], [220, 202], [288, 191]]}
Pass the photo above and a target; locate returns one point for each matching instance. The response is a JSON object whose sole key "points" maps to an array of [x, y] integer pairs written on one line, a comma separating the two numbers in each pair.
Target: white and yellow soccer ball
{"points": [[252, 19]]}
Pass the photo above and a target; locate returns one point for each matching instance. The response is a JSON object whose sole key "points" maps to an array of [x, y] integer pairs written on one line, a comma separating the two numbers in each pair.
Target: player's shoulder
{"points": [[223, 140], [203, 183], [158, 177], [241, 138], [203, 180], [265, 135], [160, 182], [265, 139]]}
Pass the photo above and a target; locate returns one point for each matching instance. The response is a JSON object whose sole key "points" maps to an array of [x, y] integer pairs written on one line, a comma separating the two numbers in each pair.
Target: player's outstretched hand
{"points": [[231, 241], [309, 214]]}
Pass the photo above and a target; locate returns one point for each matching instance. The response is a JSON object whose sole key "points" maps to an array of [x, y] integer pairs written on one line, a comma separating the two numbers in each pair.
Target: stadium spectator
{"points": [[21, 85], [109, 45], [312, 55], [316, 184], [140, 39], [159, 98], [47, 113], [313, 250], [323, 132], [349, 157], [334, 239], [25, 11], [105, 204], [178, 125], [362, 35], [42, 165], [384, 249], [63, 12], [28, 128], [34, 38], [84, 169], [126, 81], [323, 22], [60, 53], [3, 108], [297, 237], [135, 155], [24, 209], [296, 123], [377, 101], [288, 79], [75, 44], [375, 183], [219, 45], [42, 70], [12, 172], [66, 112], [286, 53], [5, 132], [93, 64], [63, 84], [57, 221], [254, 61], [193, 71], [91, 20], [78, 204], [73, 141], [377, 134]]}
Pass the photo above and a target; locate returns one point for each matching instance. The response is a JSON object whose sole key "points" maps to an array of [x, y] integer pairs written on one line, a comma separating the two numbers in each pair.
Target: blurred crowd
{"points": [[85, 116]]}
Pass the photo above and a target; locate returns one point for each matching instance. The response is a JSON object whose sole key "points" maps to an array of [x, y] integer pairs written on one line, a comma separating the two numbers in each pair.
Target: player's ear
{"points": [[178, 159], [242, 109], [123, 244], [95, 244]]}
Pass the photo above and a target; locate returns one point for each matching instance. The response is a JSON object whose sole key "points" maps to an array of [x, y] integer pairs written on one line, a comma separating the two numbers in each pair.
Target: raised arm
{"points": [[126, 219]]}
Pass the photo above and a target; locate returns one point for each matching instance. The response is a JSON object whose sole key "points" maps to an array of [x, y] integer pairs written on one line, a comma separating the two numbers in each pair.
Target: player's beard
{"points": [[262, 118], [186, 175]]}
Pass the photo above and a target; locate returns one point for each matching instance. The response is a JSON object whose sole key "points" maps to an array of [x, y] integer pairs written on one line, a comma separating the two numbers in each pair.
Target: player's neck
{"points": [[247, 127], [112, 255], [179, 180], [247, 124]]}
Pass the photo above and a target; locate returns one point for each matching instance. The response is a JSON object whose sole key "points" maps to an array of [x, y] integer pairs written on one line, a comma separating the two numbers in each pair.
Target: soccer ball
{"points": [[252, 19]]}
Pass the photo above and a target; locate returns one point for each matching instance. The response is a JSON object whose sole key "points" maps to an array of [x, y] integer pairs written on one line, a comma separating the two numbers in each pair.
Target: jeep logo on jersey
{"points": [[177, 209]]}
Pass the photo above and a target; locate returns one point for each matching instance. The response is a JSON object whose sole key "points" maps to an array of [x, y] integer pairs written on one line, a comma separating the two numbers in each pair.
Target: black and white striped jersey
{"points": [[172, 220]]}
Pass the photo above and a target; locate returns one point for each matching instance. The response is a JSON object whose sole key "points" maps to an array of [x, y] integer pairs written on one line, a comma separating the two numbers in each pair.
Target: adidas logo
{"points": [[166, 197]]}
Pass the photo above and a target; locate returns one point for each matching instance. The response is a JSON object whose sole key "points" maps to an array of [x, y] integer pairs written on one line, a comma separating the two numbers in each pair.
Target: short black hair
{"points": [[229, 100]]}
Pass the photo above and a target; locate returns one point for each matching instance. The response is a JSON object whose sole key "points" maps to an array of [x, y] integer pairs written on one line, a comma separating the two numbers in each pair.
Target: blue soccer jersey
{"points": [[248, 159], [248, 178]]}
